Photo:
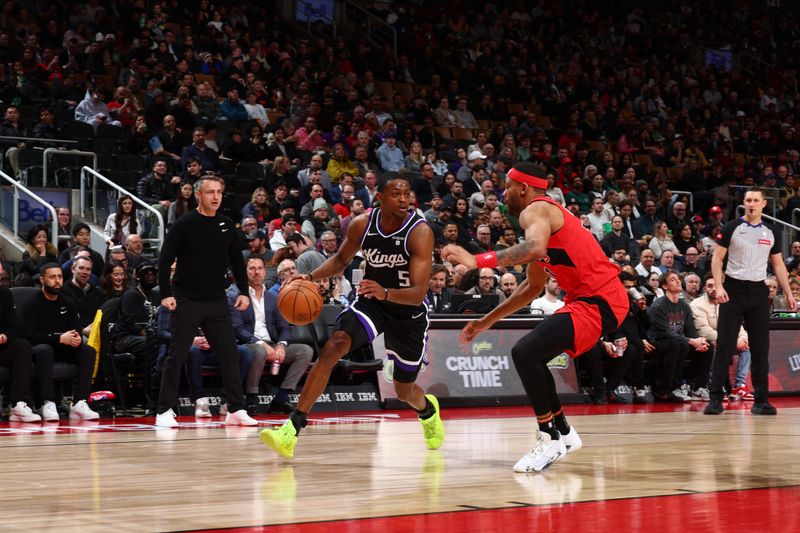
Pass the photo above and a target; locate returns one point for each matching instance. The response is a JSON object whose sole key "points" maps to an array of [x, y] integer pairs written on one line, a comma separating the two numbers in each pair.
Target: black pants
{"points": [[214, 318], [749, 301], [531, 355], [45, 355], [669, 356], [592, 363], [632, 361], [699, 368], [16, 356]]}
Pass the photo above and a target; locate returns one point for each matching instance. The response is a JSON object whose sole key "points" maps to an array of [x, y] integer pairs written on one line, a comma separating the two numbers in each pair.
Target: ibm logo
{"points": [[794, 362]]}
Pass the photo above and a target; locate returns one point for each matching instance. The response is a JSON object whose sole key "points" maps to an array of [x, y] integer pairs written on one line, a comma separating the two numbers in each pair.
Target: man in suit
{"points": [[262, 328], [439, 296]]}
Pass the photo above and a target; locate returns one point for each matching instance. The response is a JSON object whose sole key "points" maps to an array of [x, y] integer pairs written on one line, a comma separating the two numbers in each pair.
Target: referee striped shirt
{"points": [[749, 249]]}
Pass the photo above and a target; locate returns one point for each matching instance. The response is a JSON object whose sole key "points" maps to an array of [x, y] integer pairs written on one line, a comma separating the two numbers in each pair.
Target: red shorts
{"points": [[595, 315]]}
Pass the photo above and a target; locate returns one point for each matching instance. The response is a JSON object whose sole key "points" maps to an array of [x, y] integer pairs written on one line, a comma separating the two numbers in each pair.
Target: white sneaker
{"points": [[572, 440], [240, 418], [201, 409], [49, 412], [81, 411], [545, 452], [223, 409], [22, 413], [167, 419], [682, 395], [701, 395]]}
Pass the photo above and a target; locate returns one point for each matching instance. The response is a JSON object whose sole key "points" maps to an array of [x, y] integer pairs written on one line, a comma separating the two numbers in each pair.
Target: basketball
{"points": [[299, 302]]}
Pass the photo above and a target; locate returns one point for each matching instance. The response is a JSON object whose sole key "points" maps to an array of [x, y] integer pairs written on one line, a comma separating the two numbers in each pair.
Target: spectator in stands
{"points": [[307, 258], [309, 138], [314, 165], [483, 240], [415, 159], [38, 250], [370, 189], [158, 190], [123, 108], [390, 158], [133, 250], [673, 333], [340, 164], [52, 325], [705, 312], [256, 111], [648, 219], [122, 223], [549, 302], [86, 297], [93, 110], [336, 191], [667, 262], [598, 218], [363, 162], [257, 245], [477, 200], [47, 128], [508, 284], [171, 140], [12, 127], [646, 265], [464, 117], [439, 295], [487, 281], [259, 208], [794, 255], [285, 270], [662, 240], [232, 108], [616, 238], [208, 158], [356, 209], [289, 225], [329, 244], [265, 332], [691, 288], [314, 227], [81, 235], [137, 307], [64, 218], [113, 280], [185, 202], [15, 355]]}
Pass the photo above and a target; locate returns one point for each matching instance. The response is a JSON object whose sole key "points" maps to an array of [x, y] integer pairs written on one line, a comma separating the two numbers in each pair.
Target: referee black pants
{"points": [[748, 302], [214, 318]]}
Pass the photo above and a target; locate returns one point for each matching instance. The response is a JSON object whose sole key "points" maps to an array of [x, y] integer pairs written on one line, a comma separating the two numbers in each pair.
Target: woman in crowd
{"points": [[415, 158], [113, 280], [122, 223], [38, 250], [685, 239], [186, 202], [554, 192], [662, 240], [461, 215], [259, 207]]}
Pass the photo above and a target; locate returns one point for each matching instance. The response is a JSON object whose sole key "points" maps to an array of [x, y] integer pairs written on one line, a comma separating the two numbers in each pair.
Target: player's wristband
{"points": [[487, 260], [385, 294]]}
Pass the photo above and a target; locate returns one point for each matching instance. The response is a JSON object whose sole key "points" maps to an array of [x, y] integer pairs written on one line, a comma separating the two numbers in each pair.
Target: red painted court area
{"points": [[773, 510]]}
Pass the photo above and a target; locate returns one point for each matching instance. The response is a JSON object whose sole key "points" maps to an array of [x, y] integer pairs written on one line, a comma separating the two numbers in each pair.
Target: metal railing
{"points": [[86, 172], [785, 236], [15, 223], [50, 151], [379, 32]]}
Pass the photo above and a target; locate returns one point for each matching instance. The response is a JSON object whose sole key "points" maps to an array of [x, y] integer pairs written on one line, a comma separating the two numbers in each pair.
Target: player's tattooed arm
{"points": [[535, 219], [519, 254]]}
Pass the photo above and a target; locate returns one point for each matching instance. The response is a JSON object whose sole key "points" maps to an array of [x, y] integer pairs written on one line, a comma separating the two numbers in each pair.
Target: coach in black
{"points": [[204, 244], [749, 245]]}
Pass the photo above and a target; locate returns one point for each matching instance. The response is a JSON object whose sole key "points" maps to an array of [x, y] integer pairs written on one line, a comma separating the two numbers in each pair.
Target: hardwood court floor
{"points": [[658, 468]]}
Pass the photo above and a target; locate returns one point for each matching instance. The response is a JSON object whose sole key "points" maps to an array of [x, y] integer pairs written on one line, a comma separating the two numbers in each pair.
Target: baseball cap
{"points": [[255, 234], [436, 195], [715, 210], [640, 182], [566, 161], [286, 205], [391, 134], [697, 219], [475, 154], [572, 201], [288, 217]]}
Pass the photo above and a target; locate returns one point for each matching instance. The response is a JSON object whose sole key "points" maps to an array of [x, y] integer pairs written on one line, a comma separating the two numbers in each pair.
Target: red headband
{"points": [[527, 179]]}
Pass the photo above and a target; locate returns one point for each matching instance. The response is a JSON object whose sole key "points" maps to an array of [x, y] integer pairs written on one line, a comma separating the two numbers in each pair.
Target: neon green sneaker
{"points": [[432, 428], [282, 439]]}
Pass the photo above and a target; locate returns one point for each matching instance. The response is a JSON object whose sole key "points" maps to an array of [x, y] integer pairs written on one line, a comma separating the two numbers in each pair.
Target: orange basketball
{"points": [[299, 302]]}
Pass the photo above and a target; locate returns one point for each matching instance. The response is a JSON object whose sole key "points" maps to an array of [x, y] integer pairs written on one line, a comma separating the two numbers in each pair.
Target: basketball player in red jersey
{"points": [[596, 302]]}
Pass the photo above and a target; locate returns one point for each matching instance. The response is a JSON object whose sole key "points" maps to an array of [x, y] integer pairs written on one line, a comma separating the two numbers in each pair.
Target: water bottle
{"points": [[275, 368], [357, 276], [619, 344]]}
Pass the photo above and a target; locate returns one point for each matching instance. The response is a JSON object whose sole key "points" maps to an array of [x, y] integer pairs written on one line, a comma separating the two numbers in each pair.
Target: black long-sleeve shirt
{"points": [[9, 324], [205, 247], [671, 320], [43, 320]]}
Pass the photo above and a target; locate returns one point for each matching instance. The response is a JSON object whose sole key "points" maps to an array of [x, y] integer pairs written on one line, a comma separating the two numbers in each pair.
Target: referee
{"points": [[749, 245], [205, 244]]}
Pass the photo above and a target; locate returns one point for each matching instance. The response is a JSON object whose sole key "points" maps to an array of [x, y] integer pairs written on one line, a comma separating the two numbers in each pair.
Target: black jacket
{"points": [[152, 190], [43, 321], [9, 323], [87, 302], [445, 303]]}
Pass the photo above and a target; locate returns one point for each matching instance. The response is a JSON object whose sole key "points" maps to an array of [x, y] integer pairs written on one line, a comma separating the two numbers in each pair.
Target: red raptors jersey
{"points": [[575, 258]]}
